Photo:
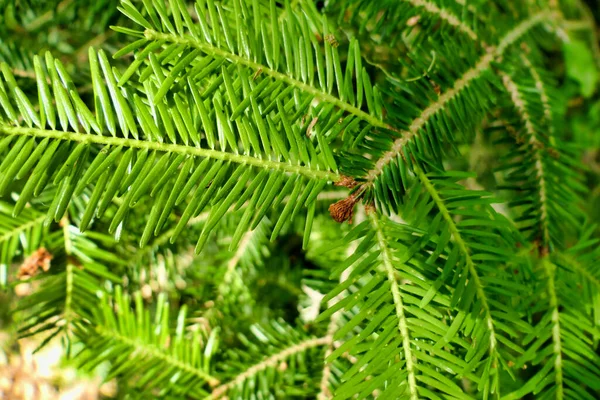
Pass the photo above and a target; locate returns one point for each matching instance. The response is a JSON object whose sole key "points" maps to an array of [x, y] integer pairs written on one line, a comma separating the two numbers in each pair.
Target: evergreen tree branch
{"points": [[233, 262], [324, 389], [270, 362], [578, 268], [550, 270], [68, 314], [11, 232], [473, 273], [263, 69], [445, 15], [460, 84], [387, 262], [172, 148], [536, 147], [541, 87], [47, 16], [142, 349]]}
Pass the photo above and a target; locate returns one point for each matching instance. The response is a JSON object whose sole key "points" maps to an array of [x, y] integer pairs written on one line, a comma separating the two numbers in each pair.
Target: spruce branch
{"points": [[390, 270], [549, 268], [264, 69], [171, 149], [471, 267], [541, 87], [445, 15], [229, 128], [142, 350], [536, 147], [269, 362], [484, 63]]}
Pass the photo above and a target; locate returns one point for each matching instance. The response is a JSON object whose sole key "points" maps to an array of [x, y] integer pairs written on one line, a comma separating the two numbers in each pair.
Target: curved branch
{"points": [[21, 228], [483, 64], [462, 245], [332, 327], [550, 268], [580, 269], [323, 96], [539, 85]]}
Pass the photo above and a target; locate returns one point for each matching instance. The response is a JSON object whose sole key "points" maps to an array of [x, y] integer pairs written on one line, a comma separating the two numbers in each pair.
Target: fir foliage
{"points": [[290, 199]]}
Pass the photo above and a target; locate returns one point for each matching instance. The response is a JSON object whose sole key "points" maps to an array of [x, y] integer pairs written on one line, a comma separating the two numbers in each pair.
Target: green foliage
{"points": [[580, 66], [189, 172]]}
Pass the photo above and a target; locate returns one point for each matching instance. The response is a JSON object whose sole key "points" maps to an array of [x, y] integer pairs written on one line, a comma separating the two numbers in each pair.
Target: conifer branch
{"points": [[172, 148], [235, 121], [550, 269], [142, 349], [332, 327], [324, 391], [68, 313], [460, 84], [387, 260], [17, 230], [539, 85], [536, 148], [445, 15], [270, 362], [263, 69], [464, 249], [579, 268], [233, 262]]}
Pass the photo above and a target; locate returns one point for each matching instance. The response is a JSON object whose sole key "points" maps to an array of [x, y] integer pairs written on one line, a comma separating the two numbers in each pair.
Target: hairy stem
{"points": [[445, 15]]}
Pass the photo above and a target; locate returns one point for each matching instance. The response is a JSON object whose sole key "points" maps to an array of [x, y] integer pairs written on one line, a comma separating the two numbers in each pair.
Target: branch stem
{"points": [[459, 85], [172, 148], [270, 362], [386, 257], [460, 242], [279, 76]]}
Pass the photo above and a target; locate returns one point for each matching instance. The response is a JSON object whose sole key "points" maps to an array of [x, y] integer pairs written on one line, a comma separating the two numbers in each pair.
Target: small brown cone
{"points": [[343, 210]]}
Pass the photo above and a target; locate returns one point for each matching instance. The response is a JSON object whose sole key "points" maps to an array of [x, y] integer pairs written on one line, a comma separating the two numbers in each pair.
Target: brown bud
{"points": [[31, 265], [370, 208], [347, 181], [343, 209]]}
